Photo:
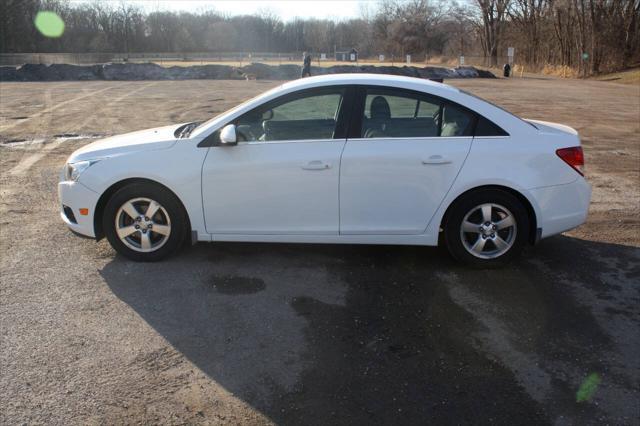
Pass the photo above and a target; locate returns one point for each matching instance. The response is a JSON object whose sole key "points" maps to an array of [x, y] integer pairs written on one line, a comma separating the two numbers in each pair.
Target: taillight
{"points": [[574, 157]]}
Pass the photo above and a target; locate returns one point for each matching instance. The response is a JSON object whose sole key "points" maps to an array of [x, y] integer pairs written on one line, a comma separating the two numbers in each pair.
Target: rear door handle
{"points": [[316, 165], [436, 159]]}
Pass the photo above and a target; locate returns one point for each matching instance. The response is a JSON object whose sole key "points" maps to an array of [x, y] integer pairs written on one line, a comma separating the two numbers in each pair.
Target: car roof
{"points": [[504, 119], [370, 79]]}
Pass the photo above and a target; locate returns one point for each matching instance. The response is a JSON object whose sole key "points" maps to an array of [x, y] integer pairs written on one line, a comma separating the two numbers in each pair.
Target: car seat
{"points": [[380, 113]]}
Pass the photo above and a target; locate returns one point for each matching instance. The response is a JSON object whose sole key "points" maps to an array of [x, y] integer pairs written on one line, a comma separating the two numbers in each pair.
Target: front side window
{"points": [[295, 117], [391, 113]]}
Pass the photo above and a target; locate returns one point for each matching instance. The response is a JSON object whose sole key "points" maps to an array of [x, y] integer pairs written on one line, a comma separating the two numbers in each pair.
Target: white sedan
{"points": [[352, 158]]}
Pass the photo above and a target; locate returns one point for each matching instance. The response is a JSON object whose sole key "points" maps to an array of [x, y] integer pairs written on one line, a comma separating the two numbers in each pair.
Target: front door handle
{"points": [[436, 159], [316, 165]]}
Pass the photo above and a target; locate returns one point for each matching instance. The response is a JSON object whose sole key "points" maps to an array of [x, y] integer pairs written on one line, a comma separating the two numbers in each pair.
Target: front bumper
{"points": [[562, 207], [74, 196]]}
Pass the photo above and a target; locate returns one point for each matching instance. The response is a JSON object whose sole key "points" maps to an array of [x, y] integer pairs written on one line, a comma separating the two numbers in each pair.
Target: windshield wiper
{"points": [[184, 131]]}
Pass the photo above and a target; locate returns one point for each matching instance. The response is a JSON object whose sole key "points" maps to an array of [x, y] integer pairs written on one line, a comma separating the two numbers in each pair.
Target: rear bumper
{"points": [[562, 207], [75, 196]]}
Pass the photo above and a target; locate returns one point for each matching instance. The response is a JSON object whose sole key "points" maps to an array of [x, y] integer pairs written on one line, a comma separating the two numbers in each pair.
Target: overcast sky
{"points": [[285, 9]]}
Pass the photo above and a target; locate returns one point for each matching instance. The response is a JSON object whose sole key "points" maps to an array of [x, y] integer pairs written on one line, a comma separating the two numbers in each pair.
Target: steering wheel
{"points": [[436, 117], [265, 128], [244, 134]]}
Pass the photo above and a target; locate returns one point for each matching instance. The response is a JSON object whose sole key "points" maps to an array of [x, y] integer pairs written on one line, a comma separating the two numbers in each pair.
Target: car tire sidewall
{"points": [[166, 199], [467, 202]]}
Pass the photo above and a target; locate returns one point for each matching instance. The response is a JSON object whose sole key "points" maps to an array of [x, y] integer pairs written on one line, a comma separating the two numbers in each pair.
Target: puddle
{"points": [[19, 142], [61, 137], [73, 136], [237, 285]]}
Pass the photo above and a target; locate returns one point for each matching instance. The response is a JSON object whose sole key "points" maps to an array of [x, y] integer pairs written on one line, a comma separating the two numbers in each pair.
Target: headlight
{"points": [[72, 171]]}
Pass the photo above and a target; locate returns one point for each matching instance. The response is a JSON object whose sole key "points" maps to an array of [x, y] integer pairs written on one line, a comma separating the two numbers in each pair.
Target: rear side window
{"points": [[456, 121], [397, 113], [487, 128]]}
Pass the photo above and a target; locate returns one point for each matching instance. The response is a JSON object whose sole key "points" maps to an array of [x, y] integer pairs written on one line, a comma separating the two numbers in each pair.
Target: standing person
{"points": [[306, 65]]}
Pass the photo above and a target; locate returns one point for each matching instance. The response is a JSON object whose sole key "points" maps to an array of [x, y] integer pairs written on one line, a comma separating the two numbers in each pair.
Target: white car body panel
{"points": [[174, 165], [78, 195], [562, 207], [374, 191], [143, 140], [394, 186], [273, 188]]}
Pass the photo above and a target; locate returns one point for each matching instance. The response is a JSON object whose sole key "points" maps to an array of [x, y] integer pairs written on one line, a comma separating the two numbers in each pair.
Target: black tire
{"points": [[455, 239], [171, 207]]}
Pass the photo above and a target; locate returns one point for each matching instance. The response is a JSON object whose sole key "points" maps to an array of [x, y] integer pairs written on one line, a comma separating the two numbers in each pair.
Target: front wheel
{"points": [[144, 222], [486, 228]]}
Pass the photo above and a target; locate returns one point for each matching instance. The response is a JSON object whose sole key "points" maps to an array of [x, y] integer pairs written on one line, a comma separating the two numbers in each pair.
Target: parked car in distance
{"points": [[351, 158]]}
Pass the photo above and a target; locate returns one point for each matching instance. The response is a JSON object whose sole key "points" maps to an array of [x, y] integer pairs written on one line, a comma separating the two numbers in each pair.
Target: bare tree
{"points": [[528, 16], [546, 32], [630, 31], [493, 14], [461, 29]]}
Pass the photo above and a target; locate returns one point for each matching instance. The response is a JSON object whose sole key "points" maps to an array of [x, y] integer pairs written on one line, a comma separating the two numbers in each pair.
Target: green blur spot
{"points": [[588, 388], [49, 24]]}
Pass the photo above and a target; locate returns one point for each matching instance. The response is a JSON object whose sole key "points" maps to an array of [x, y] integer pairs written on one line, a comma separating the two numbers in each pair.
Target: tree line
{"points": [[590, 35]]}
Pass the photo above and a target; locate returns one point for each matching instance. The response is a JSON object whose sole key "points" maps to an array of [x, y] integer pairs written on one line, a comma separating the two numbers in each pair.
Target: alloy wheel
{"points": [[488, 231], [143, 225]]}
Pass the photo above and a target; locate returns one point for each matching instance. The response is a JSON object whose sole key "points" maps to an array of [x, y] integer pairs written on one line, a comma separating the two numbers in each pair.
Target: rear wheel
{"points": [[144, 222], [486, 228]]}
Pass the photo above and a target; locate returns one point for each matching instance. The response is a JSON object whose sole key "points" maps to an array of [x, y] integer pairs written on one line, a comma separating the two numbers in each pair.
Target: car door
{"points": [[406, 153], [282, 177]]}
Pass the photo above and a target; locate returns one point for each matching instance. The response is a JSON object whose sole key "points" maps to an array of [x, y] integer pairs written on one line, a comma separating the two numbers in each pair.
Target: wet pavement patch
{"points": [[237, 285], [75, 136], [397, 353]]}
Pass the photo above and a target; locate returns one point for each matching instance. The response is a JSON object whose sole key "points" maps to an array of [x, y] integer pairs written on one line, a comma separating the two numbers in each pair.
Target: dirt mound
{"points": [[54, 72], [271, 72], [58, 72]]}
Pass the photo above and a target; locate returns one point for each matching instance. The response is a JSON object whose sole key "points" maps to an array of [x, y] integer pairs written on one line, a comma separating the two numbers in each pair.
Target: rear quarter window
{"points": [[485, 127]]}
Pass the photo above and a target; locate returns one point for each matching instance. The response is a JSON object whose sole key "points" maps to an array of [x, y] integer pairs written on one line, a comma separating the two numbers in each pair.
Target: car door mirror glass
{"points": [[228, 135]]}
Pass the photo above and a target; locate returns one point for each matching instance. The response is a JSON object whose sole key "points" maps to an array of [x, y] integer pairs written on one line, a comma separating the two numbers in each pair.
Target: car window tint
{"points": [[487, 128], [428, 109], [497, 106], [390, 113], [400, 107], [304, 118], [456, 121], [323, 107]]}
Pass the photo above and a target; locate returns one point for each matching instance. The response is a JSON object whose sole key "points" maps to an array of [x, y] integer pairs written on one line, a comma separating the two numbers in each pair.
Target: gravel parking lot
{"points": [[312, 334]]}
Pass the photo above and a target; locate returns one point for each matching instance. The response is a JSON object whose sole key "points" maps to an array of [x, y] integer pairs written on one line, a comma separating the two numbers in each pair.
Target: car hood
{"points": [[548, 127], [143, 140]]}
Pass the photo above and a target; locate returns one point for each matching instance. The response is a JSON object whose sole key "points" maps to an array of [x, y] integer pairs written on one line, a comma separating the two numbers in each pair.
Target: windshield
{"points": [[205, 124]]}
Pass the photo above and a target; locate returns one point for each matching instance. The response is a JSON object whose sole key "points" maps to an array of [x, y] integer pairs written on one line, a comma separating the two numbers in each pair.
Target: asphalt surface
{"points": [[314, 334]]}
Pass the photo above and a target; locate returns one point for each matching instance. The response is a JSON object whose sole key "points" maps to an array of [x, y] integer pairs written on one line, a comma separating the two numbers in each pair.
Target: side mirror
{"points": [[228, 135]]}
